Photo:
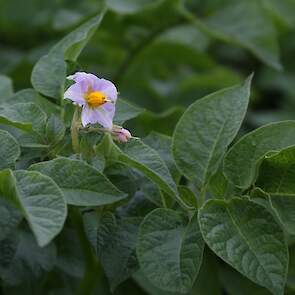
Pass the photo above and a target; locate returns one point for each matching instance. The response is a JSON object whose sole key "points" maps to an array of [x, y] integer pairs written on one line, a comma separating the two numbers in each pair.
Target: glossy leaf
{"points": [[246, 236], [170, 250], [205, 130], [81, 184]]}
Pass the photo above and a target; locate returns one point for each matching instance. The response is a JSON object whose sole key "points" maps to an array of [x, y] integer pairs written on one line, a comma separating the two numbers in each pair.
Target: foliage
{"points": [[201, 200]]}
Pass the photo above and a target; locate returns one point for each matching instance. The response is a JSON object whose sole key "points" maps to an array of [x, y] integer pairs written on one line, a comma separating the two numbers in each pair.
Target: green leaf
{"points": [[10, 217], [8, 247], [276, 178], [246, 236], [25, 116], [188, 196], [55, 130], [162, 144], [6, 88], [241, 160], [126, 111], [29, 262], [9, 150], [82, 184], [117, 250], [49, 73], [38, 198], [170, 249], [246, 23], [205, 130], [138, 155]]}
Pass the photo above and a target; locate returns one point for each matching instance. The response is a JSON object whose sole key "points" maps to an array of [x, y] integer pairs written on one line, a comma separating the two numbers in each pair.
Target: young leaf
{"points": [[25, 116], [205, 130], [170, 249], [55, 130], [38, 198], [49, 73], [276, 178], [9, 150], [246, 236], [241, 160], [81, 184]]}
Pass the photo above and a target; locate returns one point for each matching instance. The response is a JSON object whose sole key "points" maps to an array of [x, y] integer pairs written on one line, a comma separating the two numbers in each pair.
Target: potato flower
{"points": [[96, 96]]}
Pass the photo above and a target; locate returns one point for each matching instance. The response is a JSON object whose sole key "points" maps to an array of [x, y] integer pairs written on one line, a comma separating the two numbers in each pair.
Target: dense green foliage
{"points": [[201, 200]]}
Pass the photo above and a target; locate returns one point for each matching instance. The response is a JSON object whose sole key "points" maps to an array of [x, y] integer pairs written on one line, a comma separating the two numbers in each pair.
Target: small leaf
{"points": [[9, 150], [205, 130], [82, 184], [241, 160], [276, 178], [170, 250], [246, 236], [49, 73], [38, 198]]}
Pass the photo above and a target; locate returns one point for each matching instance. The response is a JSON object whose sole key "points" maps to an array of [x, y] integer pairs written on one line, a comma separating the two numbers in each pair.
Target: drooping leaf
{"points": [[170, 249], [82, 184], [9, 150], [49, 73], [276, 178], [138, 155], [241, 160], [246, 236], [205, 130], [39, 199]]}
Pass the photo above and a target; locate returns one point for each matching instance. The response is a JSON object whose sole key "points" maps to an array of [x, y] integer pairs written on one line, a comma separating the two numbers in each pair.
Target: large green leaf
{"points": [[170, 249], [130, 6], [82, 184], [49, 74], [9, 150], [26, 116], [241, 160], [246, 236], [276, 178], [126, 111], [38, 198], [205, 130], [247, 24]]}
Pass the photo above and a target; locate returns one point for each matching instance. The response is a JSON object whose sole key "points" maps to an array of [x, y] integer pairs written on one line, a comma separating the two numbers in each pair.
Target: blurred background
{"points": [[163, 55]]}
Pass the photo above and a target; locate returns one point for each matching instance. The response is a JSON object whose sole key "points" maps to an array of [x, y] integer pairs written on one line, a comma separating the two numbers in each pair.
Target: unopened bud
{"points": [[121, 134]]}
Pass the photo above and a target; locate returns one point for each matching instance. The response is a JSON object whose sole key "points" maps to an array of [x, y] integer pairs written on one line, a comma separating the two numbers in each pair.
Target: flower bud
{"points": [[120, 134]]}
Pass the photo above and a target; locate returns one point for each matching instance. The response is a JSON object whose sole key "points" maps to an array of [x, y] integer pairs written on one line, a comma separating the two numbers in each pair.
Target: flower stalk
{"points": [[75, 131]]}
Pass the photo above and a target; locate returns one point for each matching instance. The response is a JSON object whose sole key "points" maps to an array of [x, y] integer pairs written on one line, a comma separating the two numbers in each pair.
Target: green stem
{"points": [[74, 131], [92, 268], [203, 195]]}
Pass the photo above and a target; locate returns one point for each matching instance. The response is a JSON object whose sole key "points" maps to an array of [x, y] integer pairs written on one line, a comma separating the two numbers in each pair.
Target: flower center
{"points": [[95, 98]]}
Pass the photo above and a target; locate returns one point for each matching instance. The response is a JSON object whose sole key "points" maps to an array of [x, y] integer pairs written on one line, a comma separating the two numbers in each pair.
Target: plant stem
{"points": [[92, 268], [203, 195], [74, 131]]}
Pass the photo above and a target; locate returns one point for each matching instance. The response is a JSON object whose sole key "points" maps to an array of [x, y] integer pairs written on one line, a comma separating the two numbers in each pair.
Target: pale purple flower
{"points": [[121, 134], [96, 96]]}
